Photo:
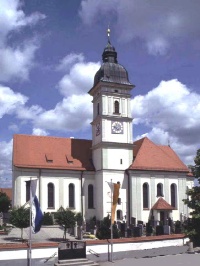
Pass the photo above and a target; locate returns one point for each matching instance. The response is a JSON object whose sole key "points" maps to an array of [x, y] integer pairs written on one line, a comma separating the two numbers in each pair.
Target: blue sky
{"points": [[50, 51]]}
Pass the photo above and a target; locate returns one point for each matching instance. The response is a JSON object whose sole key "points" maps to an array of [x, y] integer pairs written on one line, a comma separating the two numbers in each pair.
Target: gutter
{"points": [[129, 198]]}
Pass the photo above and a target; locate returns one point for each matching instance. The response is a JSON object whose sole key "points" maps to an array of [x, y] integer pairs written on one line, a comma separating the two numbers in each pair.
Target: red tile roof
{"points": [[8, 192], [161, 204], [76, 154], [52, 152], [149, 156]]}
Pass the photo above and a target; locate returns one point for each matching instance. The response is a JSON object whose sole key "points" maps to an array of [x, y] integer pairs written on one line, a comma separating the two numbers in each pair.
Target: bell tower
{"points": [[112, 142]]}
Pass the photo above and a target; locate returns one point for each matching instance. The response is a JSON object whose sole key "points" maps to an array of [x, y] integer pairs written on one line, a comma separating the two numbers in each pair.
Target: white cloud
{"points": [[172, 112], [40, 132], [6, 163], [10, 101], [157, 23], [16, 59], [69, 60], [13, 18], [73, 113], [90, 9], [80, 78], [22, 61], [13, 127], [29, 113]]}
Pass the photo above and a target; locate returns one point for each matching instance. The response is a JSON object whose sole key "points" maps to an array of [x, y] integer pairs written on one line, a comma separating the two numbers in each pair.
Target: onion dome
{"points": [[110, 70]]}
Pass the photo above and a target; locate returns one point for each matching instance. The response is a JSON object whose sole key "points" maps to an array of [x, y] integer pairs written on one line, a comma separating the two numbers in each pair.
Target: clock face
{"points": [[117, 127], [98, 129]]}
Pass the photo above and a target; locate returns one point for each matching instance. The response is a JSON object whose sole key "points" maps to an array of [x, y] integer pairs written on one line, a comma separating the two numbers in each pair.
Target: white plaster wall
{"points": [[116, 177], [22, 254], [153, 178], [99, 195], [108, 105], [97, 158], [19, 189], [44, 253], [112, 158], [61, 180], [136, 246], [89, 178], [103, 192], [118, 138]]}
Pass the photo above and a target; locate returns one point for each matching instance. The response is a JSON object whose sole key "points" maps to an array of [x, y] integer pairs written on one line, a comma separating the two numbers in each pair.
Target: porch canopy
{"points": [[162, 204]]}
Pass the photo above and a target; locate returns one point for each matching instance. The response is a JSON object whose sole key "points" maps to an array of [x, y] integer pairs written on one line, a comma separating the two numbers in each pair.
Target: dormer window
{"points": [[69, 159], [49, 157]]}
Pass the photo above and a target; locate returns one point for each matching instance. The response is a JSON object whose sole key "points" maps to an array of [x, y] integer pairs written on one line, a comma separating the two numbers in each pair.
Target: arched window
{"points": [[71, 196], [90, 197], [116, 107], [50, 188], [160, 190], [145, 196], [173, 195], [119, 215]]}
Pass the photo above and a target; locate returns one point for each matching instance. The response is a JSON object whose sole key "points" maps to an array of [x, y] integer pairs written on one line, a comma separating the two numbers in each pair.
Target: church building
{"points": [[74, 173]]}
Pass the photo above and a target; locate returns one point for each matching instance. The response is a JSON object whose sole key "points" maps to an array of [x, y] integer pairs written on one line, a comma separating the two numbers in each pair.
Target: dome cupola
{"points": [[111, 70]]}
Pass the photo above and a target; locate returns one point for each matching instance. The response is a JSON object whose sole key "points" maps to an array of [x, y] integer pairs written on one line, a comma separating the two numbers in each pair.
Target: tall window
{"points": [[145, 196], [160, 190], [119, 215], [71, 196], [90, 197], [173, 195], [116, 107], [27, 191], [97, 108], [50, 188]]}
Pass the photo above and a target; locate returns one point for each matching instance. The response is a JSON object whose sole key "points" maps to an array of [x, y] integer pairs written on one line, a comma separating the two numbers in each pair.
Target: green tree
{"points": [[79, 218], [20, 218], [4, 202], [65, 218], [193, 202], [104, 231]]}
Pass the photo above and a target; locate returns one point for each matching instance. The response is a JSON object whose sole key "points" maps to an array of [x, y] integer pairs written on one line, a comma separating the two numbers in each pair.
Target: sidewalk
{"points": [[174, 260], [52, 233]]}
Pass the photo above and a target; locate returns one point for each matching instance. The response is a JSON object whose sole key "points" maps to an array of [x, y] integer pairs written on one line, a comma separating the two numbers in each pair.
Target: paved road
{"points": [[172, 260]]}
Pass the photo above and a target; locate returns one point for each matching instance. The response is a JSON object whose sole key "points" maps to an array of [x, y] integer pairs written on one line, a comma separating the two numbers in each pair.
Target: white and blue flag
{"points": [[37, 215]]}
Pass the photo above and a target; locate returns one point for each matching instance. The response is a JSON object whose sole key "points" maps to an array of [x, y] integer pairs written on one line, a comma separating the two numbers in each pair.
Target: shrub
{"points": [[47, 219], [104, 231]]}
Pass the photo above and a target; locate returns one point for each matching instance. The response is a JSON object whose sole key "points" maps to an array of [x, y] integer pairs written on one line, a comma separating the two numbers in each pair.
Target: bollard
{"points": [[191, 249]]}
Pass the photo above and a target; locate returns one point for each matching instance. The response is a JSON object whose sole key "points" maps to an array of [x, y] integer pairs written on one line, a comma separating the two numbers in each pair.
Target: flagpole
{"points": [[111, 257], [30, 229]]}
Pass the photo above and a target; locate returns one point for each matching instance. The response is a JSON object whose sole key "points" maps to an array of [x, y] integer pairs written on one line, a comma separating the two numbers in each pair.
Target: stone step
{"points": [[76, 262]]}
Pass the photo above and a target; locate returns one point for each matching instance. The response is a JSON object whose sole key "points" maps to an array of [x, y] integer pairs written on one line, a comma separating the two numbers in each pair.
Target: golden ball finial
{"points": [[108, 33]]}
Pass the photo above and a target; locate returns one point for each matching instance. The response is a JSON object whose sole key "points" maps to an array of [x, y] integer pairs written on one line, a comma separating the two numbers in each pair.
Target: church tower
{"points": [[112, 143]]}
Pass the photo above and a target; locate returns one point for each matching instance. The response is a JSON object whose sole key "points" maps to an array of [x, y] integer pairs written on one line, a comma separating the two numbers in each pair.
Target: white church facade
{"points": [[74, 173]]}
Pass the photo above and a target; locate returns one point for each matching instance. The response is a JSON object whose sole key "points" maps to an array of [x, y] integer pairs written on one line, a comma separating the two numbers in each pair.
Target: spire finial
{"points": [[108, 33]]}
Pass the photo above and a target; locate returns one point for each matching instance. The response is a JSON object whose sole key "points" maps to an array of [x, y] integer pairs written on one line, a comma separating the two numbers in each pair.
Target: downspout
{"points": [[40, 191], [82, 193], [129, 198]]}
